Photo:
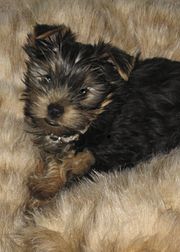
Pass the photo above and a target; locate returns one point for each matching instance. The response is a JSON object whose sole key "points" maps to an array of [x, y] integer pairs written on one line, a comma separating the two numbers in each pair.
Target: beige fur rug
{"points": [[133, 211]]}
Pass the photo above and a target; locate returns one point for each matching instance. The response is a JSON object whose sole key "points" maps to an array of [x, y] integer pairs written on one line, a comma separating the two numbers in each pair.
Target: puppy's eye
{"points": [[83, 91], [44, 78], [47, 78]]}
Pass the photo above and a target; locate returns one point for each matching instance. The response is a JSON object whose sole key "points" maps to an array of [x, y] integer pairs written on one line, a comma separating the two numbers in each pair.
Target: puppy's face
{"points": [[68, 84]]}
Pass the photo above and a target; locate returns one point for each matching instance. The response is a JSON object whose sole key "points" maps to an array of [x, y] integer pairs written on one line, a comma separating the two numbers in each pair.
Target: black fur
{"points": [[142, 120], [143, 117]]}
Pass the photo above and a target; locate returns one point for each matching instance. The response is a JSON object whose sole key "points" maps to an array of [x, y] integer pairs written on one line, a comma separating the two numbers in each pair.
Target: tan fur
{"points": [[106, 102], [150, 26], [133, 210], [71, 116], [16, 161], [46, 184]]}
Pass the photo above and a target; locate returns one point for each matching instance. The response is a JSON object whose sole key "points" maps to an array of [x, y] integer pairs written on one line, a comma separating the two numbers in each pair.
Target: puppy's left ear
{"points": [[46, 32], [122, 62], [47, 37]]}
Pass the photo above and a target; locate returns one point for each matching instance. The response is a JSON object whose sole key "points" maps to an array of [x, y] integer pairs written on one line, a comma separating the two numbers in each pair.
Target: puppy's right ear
{"points": [[46, 38], [120, 60]]}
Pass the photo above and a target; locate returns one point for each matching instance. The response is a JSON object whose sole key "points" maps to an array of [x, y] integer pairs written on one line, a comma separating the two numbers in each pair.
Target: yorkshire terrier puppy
{"points": [[95, 106]]}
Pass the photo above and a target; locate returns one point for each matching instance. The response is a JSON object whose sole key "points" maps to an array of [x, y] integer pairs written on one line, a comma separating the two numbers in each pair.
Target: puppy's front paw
{"points": [[46, 185], [79, 163]]}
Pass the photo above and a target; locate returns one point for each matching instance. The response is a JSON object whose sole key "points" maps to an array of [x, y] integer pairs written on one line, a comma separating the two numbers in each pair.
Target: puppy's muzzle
{"points": [[55, 111]]}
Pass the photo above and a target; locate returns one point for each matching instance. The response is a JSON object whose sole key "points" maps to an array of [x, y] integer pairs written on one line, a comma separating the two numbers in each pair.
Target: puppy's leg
{"points": [[80, 163], [46, 185]]}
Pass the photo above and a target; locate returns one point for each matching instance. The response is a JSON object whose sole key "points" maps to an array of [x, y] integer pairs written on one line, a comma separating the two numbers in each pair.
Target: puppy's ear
{"points": [[122, 62], [47, 32], [46, 38]]}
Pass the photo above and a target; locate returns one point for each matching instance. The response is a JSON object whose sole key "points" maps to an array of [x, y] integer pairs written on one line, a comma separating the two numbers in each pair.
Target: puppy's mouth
{"points": [[65, 139], [57, 134], [51, 123], [62, 139]]}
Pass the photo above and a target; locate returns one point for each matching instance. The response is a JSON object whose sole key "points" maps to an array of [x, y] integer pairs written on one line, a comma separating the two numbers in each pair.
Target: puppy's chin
{"points": [[53, 136], [65, 138], [53, 143], [56, 140]]}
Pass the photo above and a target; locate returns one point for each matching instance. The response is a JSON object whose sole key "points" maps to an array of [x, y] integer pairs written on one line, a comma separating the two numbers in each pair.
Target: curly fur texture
{"points": [[151, 26], [132, 211]]}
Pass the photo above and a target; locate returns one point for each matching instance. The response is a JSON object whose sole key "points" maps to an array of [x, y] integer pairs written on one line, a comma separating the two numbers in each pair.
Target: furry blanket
{"points": [[149, 26], [136, 210]]}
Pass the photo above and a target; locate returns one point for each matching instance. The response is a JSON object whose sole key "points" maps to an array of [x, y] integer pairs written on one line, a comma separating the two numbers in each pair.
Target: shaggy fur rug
{"points": [[136, 210], [142, 213]]}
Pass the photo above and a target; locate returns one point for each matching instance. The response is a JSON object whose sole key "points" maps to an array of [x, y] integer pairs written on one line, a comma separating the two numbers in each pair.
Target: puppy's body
{"points": [[97, 98], [145, 111], [130, 211]]}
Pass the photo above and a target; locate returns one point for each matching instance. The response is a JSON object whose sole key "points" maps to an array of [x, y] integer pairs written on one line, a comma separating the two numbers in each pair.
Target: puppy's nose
{"points": [[55, 111]]}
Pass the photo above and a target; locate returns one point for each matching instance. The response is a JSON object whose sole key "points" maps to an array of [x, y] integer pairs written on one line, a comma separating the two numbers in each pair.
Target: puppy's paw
{"points": [[46, 185], [79, 163]]}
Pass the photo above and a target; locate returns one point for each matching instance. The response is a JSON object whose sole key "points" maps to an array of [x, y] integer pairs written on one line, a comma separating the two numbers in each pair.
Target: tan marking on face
{"points": [[125, 76], [39, 107], [41, 102], [72, 117], [93, 97], [106, 102]]}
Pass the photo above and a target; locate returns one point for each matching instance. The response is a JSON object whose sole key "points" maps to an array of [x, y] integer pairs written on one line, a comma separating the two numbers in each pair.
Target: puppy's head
{"points": [[69, 84]]}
